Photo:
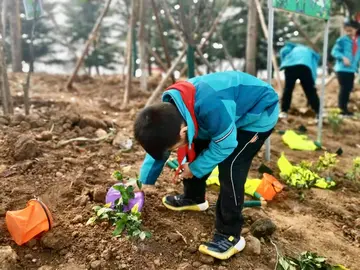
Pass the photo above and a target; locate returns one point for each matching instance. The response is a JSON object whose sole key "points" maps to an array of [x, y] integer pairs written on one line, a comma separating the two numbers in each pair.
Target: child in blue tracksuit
{"points": [[346, 51], [220, 119], [299, 62]]}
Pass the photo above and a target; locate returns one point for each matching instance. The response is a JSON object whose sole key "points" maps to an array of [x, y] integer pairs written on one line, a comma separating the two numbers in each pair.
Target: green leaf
{"points": [[96, 208], [148, 234], [91, 220], [118, 176], [119, 229], [103, 211], [139, 183]]}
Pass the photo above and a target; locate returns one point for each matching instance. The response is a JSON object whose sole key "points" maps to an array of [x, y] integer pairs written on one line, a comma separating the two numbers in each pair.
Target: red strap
{"points": [[355, 45]]}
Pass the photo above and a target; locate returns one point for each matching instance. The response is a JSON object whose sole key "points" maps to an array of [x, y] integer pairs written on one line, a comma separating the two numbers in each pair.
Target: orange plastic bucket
{"points": [[269, 187], [30, 222]]}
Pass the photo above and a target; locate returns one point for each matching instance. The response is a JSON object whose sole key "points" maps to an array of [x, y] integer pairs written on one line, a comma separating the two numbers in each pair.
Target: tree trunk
{"points": [[251, 39], [143, 78], [4, 15], [15, 31], [87, 44], [129, 54], [4, 84]]}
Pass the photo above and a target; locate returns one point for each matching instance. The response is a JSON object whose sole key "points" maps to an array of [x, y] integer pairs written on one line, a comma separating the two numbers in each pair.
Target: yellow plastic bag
{"points": [[298, 142]]}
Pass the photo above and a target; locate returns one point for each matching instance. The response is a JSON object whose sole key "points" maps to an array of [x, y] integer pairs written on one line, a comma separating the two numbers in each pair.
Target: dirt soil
{"points": [[74, 177]]}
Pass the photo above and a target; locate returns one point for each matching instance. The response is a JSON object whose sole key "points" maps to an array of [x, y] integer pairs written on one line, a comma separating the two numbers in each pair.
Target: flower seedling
{"points": [[335, 120], [128, 222], [354, 173]]}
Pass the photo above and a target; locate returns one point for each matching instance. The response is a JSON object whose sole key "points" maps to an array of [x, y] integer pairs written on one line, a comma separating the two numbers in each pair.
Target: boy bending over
{"points": [[220, 119]]}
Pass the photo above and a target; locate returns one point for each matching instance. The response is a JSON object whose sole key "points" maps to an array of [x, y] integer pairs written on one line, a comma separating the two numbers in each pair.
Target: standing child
{"points": [[299, 62], [346, 51], [220, 119]]}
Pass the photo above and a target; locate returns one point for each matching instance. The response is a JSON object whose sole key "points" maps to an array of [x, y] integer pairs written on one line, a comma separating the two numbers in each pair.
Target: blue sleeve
{"points": [[222, 129], [286, 50], [337, 50], [150, 170]]}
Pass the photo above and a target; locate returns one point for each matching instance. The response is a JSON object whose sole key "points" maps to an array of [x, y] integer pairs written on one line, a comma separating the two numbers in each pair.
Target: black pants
{"points": [[303, 73], [233, 172], [346, 81]]}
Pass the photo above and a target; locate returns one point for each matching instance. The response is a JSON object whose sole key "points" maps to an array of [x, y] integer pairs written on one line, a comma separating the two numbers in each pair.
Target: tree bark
{"points": [[87, 44], [162, 39], [143, 78], [164, 79], [15, 32], [251, 39], [129, 55]]}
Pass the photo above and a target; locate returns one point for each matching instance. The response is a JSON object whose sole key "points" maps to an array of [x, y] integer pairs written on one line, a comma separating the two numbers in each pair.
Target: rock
{"points": [[46, 267], [100, 133], [123, 266], [222, 267], [122, 141], [196, 264], [25, 147], [185, 266], [192, 248], [157, 262], [55, 240], [245, 231], [28, 256], [8, 258], [44, 136], [4, 121], [206, 259], [34, 260], [25, 125], [31, 243], [90, 169], [205, 267], [95, 264], [357, 223], [253, 245], [174, 237], [75, 234], [59, 175], [81, 200], [263, 227], [101, 167], [106, 254], [92, 122], [77, 219], [99, 194]]}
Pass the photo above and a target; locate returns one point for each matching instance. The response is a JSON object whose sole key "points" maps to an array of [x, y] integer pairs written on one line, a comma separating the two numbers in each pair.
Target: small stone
{"points": [[206, 259], [95, 264], [31, 243], [75, 234], [185, 266], [25, 125], [77, 219], [222, 267], [118, 257], [100, 133], [82, 200], [4, 121], [106, 254], [44, 136], [102, 167], [90, 169], [196, 264], [34, 260], [263, 227], [205, 267], [8, 258], [25, 148], [59, 174], [253, 245], [192, 249], [28, 256], [123, 266], [357, 223], [245, 231], [99, 194], [157, 262], [174, 237]]}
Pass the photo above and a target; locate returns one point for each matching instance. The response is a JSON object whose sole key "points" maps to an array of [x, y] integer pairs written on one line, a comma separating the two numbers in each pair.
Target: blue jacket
{"points": [[293, 54], [224, 102], [343, 48]]}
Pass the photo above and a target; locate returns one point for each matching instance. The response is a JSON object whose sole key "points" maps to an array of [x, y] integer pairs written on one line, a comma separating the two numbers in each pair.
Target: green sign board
{"points": [[29, 8], [314, 8]]}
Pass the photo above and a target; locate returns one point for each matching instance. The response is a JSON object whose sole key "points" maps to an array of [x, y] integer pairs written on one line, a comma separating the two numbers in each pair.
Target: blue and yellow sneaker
{"points": [[222, 247], [180, 203]]}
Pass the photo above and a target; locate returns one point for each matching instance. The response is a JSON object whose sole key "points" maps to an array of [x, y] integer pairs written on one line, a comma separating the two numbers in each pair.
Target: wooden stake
{"points": [[266, 34], [162, 39], [164, 79], [92, 36], [143, 78], [129, 55]]}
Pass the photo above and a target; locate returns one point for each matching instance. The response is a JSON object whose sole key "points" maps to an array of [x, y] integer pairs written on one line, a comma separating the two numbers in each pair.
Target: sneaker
{"points": [[222, 247], [180, 203], [283, 115]]}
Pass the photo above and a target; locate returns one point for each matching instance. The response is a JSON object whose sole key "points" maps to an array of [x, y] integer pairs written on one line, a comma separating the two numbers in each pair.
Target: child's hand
{"points": [[346, 61], [186, 173]]}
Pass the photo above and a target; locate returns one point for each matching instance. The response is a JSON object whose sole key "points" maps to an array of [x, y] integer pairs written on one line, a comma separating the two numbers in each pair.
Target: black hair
{"points": [[351, 23], [157, 128]]}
